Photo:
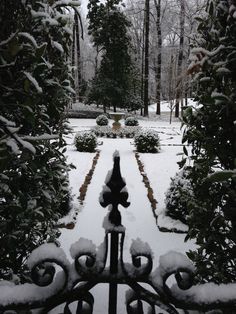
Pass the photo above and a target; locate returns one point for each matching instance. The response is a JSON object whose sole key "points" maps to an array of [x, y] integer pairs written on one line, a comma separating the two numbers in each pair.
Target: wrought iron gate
{"points": [[73, 282]]}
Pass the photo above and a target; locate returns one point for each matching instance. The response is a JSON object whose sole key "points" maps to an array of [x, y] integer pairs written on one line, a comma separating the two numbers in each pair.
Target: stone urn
{"points": [[116, 116]]}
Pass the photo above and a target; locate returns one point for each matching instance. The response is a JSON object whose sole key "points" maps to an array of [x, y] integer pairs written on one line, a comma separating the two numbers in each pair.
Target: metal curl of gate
{"points": [[73, 283]]}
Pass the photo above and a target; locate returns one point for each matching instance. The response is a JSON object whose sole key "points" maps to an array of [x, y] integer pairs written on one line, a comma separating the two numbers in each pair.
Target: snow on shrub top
{"points": [[102, 120], [131, 121], [180, 181], [178, 196], [85, 141], [147, 141]]}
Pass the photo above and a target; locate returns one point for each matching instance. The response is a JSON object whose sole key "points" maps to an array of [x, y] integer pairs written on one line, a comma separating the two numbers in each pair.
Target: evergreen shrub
{"points": [[35, 90], [210, 131], [147, 142], [179, 195], [85, 141], [131, 121], [102, 120]]}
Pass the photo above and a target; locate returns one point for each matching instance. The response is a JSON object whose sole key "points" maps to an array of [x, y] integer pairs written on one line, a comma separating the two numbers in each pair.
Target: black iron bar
{"points": [[114, 251]]}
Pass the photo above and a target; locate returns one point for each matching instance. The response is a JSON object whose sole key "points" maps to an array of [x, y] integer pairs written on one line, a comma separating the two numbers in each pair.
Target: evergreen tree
{"points": [[210, 130], [35, 89], [108, 27]]}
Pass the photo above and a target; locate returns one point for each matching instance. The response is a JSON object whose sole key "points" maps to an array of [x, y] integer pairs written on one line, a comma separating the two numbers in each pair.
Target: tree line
{"points": [[158, 35]]}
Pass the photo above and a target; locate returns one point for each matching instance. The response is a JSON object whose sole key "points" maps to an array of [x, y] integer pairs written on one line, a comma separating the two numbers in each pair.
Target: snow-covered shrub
{"points": [[102, 120], [210, 131], [178, 196], [85, 141], [107, 131], [147, 142], [131, 121]]}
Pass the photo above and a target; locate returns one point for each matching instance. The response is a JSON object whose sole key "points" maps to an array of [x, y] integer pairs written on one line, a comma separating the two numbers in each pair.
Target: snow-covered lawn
{"points": [[138, 218]]}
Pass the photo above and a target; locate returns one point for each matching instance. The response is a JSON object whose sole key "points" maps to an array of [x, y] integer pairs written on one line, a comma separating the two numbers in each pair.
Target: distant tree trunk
{"points": [[170, 87], [146, 58], [159, 56], [77, 57], [142, 66], [171, 80], [73, 62], [96, 59], [179, 85]]}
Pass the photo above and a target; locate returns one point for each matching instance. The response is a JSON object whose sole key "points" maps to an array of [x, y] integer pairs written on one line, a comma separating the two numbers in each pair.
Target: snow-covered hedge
{"points": [[102, 120], [131, 121], [178, 196], [107, 131], [147, 142], [85, 141]]}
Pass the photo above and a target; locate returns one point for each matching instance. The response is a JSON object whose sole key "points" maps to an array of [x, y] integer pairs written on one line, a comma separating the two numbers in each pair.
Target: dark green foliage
{"points": [[214, 234], [34, 92], [134, 101], [210, 130], [113, 80], [147, 142], [85, 142], [131, 121], [102, 120], [179, 196]]}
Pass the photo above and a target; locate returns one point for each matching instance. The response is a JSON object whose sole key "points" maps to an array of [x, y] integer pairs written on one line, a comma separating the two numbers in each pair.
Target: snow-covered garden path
{"points": [[138, 218]]}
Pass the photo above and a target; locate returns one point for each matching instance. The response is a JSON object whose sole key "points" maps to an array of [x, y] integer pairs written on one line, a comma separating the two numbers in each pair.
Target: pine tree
{"points": [[108, 27], [210, 130]]}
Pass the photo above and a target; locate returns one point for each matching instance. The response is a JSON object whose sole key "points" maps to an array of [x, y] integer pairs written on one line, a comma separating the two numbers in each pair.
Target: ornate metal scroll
{"points": [[56, 281]]}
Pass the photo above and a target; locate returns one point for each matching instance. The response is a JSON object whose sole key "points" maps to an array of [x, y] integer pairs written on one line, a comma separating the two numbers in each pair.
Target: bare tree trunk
{"points": [[170, 87], [146, 58], [159, 56], [171, 79], [77, 57], [142, 65], [179, 86], [74, 73]]}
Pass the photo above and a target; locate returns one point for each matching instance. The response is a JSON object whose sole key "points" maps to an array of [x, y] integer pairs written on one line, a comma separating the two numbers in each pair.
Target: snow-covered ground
{"points": [[138, 218], [165, 105]]}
